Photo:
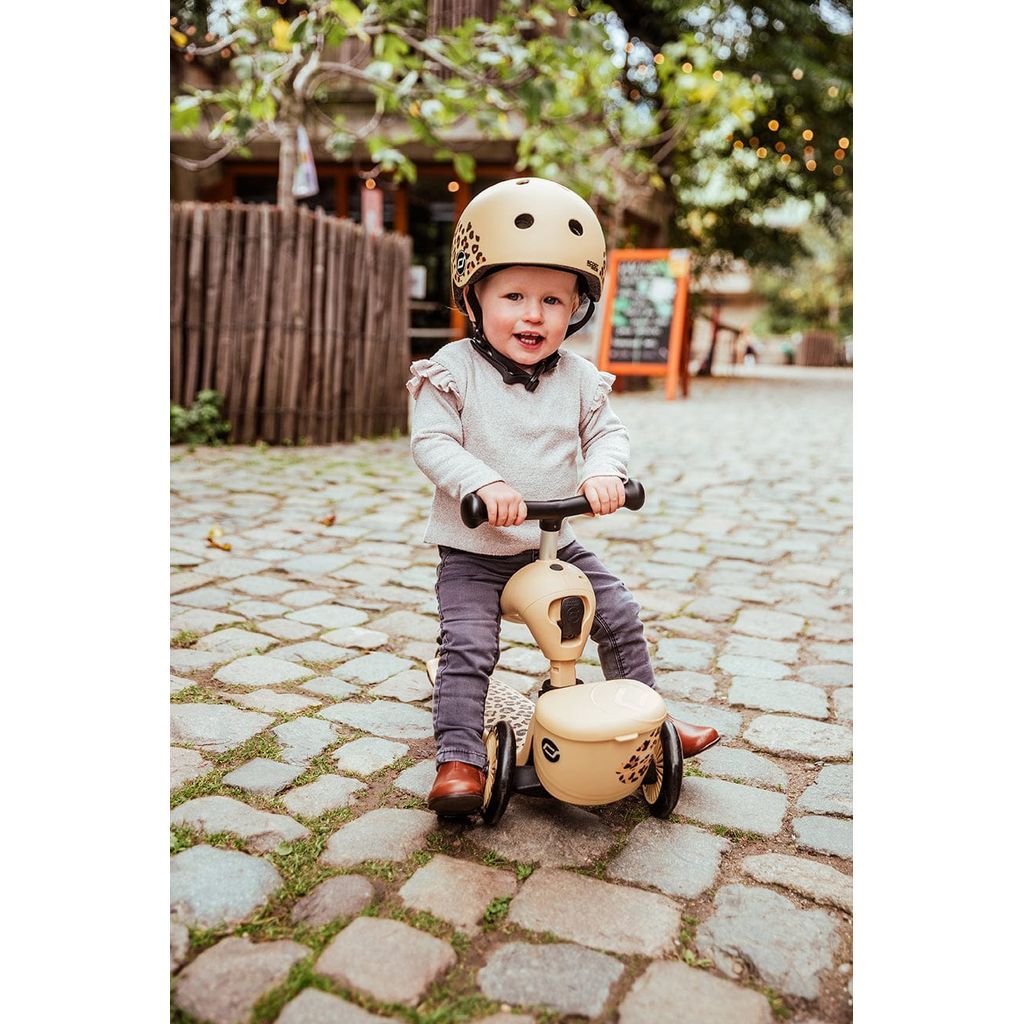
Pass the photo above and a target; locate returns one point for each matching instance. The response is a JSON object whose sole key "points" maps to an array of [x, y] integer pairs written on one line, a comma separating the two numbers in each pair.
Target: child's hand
{"points": [[605, 494], [505, 506]]}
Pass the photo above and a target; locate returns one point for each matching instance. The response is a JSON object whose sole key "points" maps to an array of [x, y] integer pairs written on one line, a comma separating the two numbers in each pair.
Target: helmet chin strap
{"points": [[511, 372]]}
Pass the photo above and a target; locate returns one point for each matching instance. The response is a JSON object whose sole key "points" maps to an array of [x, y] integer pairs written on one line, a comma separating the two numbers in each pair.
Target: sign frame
{"points": [[675, 368]]}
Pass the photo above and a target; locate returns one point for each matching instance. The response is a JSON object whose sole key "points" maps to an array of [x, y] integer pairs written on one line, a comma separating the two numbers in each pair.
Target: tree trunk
{"points": [[289, 120], [286, 167]]}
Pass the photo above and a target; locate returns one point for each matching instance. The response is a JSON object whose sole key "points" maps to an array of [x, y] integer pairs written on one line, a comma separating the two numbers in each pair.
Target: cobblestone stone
{"points": [[674, 992], [773, 625], [714, 609], [779, 695], [407, 624], [208, 597], [383, 834], [235, 641], [302, 739], [311, 1006], [364, 954], [262, 830], [328, 616], [356, 636], [329, 686], [608, 917], [728, 723], [567, 978], [692, 685], [809, 878], [679, 860], [827, 675], [368, 755], [831, 792], [326, 793], [788, 947], [769, 650], [383, 718], [456, 891], [272, 701], [407, 687], [210, 887], [263, 776], [824, 835], [418, 779], [842, 704], [337, 898], [734, 763], [716, 802], [185, 659], [693, 655], [285, 629], [546, 832], [224, 982], [372, 668], [752, 668], [260, 670], [215, 727], [314, 652], [187, 765], [799, 737]]}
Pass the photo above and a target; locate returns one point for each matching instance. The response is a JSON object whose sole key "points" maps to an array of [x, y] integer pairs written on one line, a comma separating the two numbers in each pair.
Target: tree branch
{"points": [[205, 51]]}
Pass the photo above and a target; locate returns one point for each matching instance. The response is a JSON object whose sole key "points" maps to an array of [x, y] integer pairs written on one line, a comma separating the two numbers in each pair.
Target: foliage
{"points": [[202, 424], [816, 290], [786, 152], [560, 80]]}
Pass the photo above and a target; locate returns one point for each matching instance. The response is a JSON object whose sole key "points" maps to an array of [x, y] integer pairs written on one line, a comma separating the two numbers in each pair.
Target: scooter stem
{"points": [[548, 545]]}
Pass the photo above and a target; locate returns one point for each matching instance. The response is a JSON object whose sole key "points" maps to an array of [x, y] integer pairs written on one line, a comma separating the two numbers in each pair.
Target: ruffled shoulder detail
{"points": [[601, 392], [428, 371]]}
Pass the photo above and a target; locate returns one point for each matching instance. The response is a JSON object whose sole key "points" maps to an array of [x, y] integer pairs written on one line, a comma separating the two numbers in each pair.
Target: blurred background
{"points": [[721, 127]]}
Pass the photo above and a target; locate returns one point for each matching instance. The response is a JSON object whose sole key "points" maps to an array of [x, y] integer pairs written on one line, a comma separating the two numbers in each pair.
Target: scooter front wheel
{"points": [[501, 764], [664, 779]]}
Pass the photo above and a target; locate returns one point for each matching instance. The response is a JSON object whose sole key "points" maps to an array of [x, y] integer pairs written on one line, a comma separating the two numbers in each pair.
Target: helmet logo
{"points": [[460, 262], [592, 265]]}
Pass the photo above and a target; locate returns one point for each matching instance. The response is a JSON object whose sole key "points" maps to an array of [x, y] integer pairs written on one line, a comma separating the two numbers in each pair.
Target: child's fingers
{"points": [[594, 497], [521, 513]]}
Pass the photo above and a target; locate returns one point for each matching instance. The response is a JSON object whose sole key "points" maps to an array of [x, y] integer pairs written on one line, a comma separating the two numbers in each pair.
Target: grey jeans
{"points": [[468, 596]]}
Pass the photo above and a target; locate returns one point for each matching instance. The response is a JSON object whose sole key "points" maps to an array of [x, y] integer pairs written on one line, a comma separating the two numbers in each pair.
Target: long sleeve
{"points": [[604, 439], [437, 444]]}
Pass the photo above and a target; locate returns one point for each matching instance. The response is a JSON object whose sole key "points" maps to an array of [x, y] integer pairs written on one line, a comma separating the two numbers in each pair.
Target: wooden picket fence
{"points": [[300, 320]]}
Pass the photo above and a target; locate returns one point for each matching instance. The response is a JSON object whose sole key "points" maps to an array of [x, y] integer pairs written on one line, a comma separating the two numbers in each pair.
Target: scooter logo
{"points": [[549, 749]]}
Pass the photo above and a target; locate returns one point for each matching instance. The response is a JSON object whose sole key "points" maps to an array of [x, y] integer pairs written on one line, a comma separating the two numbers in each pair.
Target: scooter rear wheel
{"points": [[664, 779], [501, 764]]}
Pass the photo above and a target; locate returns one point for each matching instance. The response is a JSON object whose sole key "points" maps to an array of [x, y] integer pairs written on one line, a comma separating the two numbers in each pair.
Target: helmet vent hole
{"points": [[524, 220], [576, 227], [523, 181]]}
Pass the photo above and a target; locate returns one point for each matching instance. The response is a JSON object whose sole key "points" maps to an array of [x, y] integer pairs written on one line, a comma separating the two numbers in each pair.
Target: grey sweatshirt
{"points": [[469, 428]]}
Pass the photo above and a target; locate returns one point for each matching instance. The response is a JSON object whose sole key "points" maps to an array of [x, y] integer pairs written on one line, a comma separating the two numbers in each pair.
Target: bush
{"points": [[202, 424]]}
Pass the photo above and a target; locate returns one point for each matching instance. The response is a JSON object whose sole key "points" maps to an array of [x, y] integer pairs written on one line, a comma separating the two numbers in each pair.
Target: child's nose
{"points": [[533, 311]]}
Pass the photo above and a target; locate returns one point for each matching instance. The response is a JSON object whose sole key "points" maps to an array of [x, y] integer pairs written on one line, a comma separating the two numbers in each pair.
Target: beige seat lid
{"points": [[600, 711]]}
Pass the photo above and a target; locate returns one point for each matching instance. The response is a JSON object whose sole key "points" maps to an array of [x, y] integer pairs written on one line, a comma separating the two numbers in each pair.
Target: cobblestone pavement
{"points": [[309, 883]]}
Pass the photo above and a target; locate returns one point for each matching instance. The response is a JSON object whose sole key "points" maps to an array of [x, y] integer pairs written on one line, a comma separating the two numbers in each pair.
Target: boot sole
{"points": [[457, 803]]}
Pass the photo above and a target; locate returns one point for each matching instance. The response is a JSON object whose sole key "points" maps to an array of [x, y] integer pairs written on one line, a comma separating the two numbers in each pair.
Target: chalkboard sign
{"points": [[644, 314]]}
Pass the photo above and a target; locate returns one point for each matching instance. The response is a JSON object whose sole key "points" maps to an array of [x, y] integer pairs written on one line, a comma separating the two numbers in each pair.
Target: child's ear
{"points": [[465, 300]]}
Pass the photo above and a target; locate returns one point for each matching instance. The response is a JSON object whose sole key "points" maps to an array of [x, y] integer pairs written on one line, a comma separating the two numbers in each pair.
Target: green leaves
{"points": [[186, 113]]}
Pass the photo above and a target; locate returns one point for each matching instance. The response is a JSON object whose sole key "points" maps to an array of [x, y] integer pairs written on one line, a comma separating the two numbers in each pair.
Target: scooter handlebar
{"points": [[474, 510]]}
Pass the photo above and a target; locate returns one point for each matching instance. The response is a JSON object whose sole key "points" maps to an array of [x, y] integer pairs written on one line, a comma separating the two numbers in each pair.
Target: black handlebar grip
{"points": [[473, 509]]}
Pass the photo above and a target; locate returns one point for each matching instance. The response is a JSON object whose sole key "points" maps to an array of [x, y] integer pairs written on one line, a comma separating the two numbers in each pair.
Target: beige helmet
{"points": [[529, 222]]}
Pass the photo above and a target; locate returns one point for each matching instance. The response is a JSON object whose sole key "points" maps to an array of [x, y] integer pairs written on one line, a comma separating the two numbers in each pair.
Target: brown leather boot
{"points": [[695, 738], [458, 789]]}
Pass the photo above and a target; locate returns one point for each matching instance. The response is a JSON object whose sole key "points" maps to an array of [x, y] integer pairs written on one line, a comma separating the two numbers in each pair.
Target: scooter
{"points": [[582, 743]]}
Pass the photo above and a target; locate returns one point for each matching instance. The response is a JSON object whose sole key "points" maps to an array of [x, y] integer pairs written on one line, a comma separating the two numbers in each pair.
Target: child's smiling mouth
{"points": [[529, 339]]}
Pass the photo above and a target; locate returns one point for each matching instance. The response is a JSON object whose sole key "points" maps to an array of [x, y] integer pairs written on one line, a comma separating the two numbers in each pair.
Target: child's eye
{"points": [[553, 299], [514, 296]]}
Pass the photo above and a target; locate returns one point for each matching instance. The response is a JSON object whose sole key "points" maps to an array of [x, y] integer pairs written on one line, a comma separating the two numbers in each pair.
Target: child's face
{"points": [[526, 311]]}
